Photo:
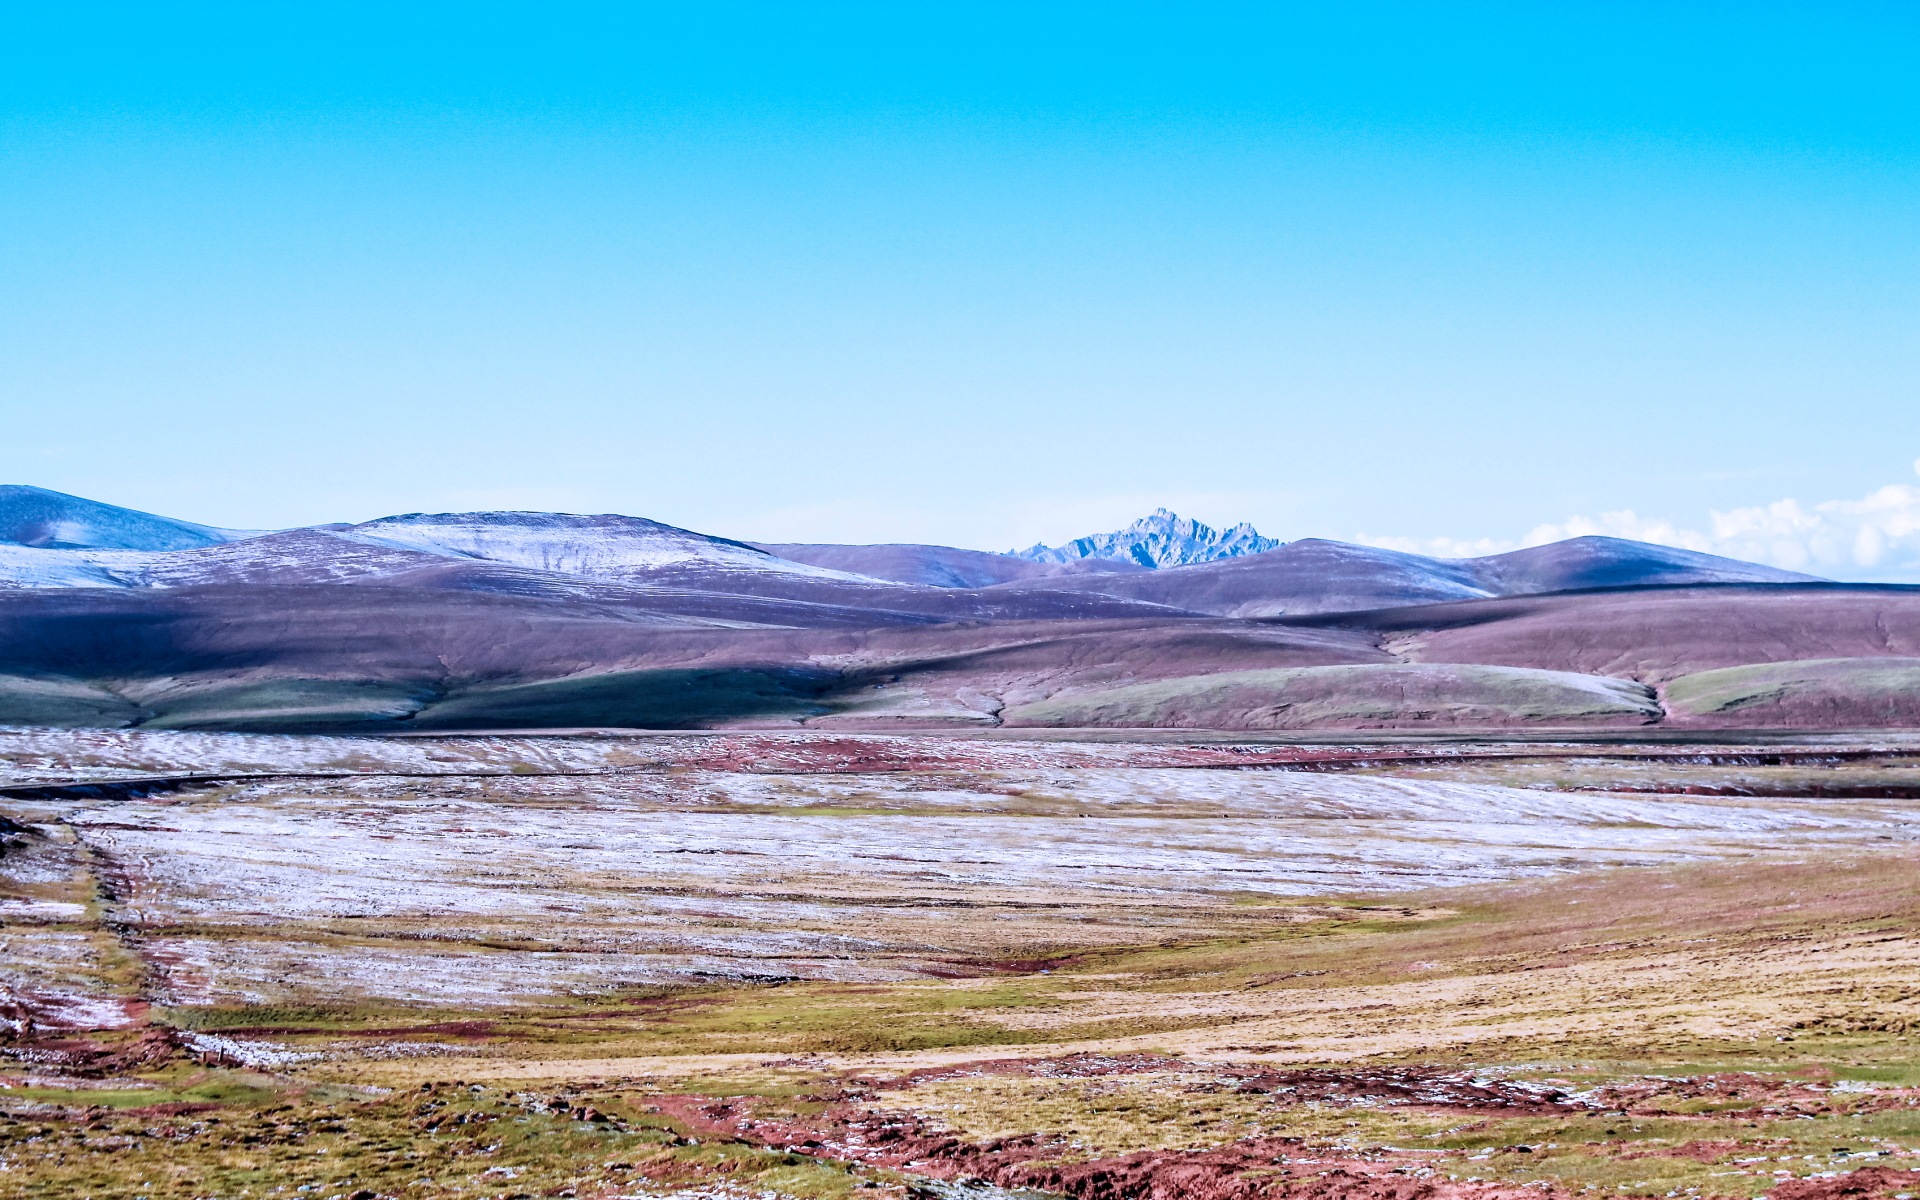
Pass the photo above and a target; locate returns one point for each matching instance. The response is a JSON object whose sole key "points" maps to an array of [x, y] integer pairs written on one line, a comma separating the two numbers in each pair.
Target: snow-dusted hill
{"points": [[607, 546], [43, 519], [1161, 540], [936, 566], [298, 556], [1595, 562]]}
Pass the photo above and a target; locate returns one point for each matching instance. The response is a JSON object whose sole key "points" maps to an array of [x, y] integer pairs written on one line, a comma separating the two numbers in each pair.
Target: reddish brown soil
{"points": [[1414, 1086], [1867, 1181], [96, 1058], [1411, 1086], [38, 1013], [1070, 1066], [1254, 1169], [173, 1108], [1422, 1087], [1763, 1096], [1257, 1168]]}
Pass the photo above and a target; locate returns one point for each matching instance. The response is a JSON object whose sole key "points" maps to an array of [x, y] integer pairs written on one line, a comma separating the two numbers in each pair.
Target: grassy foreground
{"points": [[1716, 1030]]}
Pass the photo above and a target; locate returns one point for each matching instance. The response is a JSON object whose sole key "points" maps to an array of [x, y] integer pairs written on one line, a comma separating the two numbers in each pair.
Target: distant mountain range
{"points": [[67, 541], [507, 619]]}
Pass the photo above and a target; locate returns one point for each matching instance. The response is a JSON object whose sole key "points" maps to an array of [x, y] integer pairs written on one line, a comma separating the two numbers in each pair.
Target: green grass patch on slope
{"points": [[1861, 689], [1403, 694]]}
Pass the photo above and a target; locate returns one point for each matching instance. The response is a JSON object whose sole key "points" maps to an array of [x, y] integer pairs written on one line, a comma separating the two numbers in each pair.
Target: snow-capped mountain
{"points": [[1164, 539]]}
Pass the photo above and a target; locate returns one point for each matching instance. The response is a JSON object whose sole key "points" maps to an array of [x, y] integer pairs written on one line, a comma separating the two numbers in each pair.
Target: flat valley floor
{"points": [[776, 964]]}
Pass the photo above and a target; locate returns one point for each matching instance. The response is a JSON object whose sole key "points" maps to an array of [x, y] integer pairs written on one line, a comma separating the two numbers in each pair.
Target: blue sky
{"points": [[1449, 277]]}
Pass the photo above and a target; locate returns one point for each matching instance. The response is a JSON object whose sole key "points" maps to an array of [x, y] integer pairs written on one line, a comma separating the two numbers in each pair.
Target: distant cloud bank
{"points": [[1876, 537]]}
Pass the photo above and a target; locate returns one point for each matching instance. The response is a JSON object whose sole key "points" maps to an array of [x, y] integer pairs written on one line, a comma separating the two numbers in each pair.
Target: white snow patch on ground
{"points": [[68, 1008], [57, 978], [206, 971], [37, 911], [250, 1051]]}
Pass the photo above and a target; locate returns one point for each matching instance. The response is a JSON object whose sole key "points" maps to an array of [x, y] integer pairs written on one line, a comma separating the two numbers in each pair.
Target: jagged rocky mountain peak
{"points": [[1161, 539]]}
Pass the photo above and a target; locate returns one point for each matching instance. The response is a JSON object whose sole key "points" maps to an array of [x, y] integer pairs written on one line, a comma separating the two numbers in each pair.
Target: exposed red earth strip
{"points": [[1259, 1167], [1247, 1170]]}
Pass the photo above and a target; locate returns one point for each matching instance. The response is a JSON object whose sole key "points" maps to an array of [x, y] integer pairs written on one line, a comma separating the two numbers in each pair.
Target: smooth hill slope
{"points": [[1398, 695], [1313, 576], [366, 655], [1606, 562], [607, 546], [1307, 576], [1654, 635], [1828, 693], [937, 566], [36, 517]]}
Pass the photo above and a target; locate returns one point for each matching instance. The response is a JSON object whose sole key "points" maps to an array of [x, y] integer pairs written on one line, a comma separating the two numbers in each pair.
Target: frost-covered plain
{"points": [[479, 872], [38, 755]]}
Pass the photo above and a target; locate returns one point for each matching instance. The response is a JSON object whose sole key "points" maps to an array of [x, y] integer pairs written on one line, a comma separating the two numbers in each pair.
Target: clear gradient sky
{"points": [[1445, 276]]}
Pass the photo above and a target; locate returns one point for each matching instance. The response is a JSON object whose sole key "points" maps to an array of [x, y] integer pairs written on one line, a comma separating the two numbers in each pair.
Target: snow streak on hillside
{"points": [[599, 547]]}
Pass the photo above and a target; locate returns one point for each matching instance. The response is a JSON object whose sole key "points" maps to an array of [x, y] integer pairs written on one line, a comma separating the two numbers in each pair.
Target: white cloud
{"points": [[1876, 537]]}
